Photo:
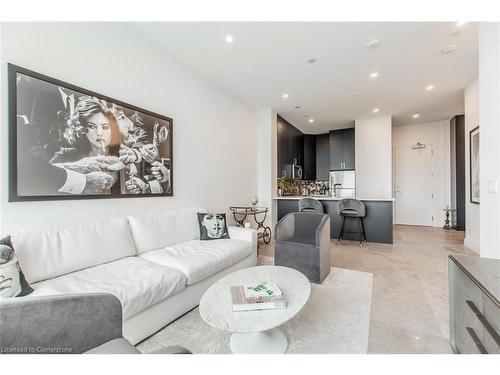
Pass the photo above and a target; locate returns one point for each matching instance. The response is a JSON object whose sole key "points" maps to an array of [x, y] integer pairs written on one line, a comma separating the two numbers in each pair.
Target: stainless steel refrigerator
{"points": [[343, 184]]}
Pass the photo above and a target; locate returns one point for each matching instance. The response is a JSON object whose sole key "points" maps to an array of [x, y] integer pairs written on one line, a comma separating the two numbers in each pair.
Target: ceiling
{"points": [[266, 60]]}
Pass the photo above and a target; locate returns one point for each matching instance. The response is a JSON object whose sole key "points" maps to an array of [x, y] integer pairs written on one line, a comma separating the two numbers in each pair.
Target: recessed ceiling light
{"points": [[374, 75], [416, 115], [375, 110], [311, 120], [372, 43], [461, 23], [312, 60], [229, 39], [429, 87], [284, 96], [297, 107]]}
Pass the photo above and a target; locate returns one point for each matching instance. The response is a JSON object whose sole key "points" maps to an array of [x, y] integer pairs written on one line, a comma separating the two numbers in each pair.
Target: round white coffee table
{"points": [[255, 332]]}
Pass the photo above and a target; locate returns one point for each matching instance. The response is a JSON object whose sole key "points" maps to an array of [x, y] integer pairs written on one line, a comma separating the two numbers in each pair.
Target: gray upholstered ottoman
{"points": [[303, 243]]}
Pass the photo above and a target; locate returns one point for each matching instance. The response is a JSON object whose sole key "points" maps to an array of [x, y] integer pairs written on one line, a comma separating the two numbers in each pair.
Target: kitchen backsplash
{"points": [[288, 187]]}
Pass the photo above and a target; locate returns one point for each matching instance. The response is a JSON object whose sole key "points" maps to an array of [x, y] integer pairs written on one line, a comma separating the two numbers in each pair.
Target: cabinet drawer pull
{"points": [[489, 328], [476, 340]]}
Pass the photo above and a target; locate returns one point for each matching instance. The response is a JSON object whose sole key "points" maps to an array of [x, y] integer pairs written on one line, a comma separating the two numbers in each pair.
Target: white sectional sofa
{"points": [[156, 265]]}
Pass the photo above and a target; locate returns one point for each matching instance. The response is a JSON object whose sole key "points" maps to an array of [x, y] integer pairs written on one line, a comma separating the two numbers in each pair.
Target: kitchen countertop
{"points": [[329, 198]]}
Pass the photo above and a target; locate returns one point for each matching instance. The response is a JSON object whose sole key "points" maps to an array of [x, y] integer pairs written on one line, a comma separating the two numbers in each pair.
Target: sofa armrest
{"points": [[72, 323], [244, 234]]}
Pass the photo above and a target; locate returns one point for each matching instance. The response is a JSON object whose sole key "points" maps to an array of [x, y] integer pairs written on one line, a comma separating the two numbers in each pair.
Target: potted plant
{"points": [[285, 187]]}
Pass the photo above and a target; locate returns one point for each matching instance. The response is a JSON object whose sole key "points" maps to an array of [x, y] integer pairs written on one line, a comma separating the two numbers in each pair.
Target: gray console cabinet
{"points": [[474, 292]]}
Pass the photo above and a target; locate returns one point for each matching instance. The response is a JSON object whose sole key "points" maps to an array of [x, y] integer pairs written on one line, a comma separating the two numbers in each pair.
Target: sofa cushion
{"points": [[48, 253], [137, 283], [200, 259], [157, 231]]}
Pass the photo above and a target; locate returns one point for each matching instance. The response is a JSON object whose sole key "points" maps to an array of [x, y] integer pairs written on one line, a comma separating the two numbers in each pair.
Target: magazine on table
{"points": [[262, 295]]}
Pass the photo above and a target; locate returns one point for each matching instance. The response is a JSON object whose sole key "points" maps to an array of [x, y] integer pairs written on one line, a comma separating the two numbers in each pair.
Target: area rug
{"points": [[336, 319]]}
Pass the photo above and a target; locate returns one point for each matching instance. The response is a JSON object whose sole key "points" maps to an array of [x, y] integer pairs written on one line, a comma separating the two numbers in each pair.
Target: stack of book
{"points": [[257, 296]]}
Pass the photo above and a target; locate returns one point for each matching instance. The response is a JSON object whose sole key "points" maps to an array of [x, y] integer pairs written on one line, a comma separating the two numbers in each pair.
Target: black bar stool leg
{"points": [[363, 228], [358, 225], [341, 229]]}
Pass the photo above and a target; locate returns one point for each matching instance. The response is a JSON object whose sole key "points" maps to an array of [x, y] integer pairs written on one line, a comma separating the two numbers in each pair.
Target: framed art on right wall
{"points": [[474, 165]]}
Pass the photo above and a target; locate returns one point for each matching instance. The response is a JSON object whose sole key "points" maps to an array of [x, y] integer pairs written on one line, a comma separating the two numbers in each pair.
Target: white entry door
{"points": [[414, 185]]}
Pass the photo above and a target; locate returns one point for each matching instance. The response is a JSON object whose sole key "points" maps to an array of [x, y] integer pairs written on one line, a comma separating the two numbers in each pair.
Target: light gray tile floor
{"points": [[410, 288]]}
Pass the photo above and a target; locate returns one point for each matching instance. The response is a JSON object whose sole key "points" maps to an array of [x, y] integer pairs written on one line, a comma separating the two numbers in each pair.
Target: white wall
{"points": [[267, 161], [436, 134], [214, 134], [489, 137], [374, 157], [471, 104], [3, 115]]}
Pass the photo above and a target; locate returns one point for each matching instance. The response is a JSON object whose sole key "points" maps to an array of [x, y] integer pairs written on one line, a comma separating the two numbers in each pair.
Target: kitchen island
{"points": [[378, 219]]}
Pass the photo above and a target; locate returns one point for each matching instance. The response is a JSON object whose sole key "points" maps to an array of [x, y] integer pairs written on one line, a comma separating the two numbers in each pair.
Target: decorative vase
{"points": [[254, 201]]}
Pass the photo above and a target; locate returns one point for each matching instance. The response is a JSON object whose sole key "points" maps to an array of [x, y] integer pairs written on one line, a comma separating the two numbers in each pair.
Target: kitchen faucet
{"points": [[335, 189]]}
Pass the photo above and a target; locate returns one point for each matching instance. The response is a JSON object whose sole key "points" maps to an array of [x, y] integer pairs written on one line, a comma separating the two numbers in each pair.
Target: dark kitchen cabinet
{"points": [[290, 146], [348, 148], [336, 151], [322, 157], [316, 153], [342, 149], [309, 167]]}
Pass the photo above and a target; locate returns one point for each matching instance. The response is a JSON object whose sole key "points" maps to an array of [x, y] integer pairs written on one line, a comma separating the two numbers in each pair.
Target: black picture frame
{"points": [[474, 132], [13, 71]]}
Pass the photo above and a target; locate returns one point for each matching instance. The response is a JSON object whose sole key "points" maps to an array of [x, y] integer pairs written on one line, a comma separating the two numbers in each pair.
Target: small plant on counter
{"points": [[287, 187]]}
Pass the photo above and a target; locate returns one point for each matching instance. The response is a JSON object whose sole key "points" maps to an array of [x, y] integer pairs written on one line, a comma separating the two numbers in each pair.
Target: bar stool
{"points": [[311, 205], [355, 209]]}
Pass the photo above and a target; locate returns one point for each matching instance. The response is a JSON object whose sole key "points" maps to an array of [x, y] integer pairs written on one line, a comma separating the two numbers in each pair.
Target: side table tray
{"points": [[259, 214]]}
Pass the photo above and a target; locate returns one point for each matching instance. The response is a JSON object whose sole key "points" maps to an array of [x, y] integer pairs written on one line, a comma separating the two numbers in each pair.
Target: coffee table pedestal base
{"points": [[269, 342]]}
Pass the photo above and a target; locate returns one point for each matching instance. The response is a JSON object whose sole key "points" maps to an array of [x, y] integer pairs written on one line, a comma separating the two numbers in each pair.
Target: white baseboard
{"points": [[470, 245]]}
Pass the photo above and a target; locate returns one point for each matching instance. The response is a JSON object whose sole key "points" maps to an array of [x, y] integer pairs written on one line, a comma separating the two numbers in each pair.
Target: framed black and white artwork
{"points": [[474, 164], [67, 142]]}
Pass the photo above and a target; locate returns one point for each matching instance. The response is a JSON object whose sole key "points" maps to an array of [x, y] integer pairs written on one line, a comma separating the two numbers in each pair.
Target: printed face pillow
{"points": [[12, 281], [212, 226]]}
